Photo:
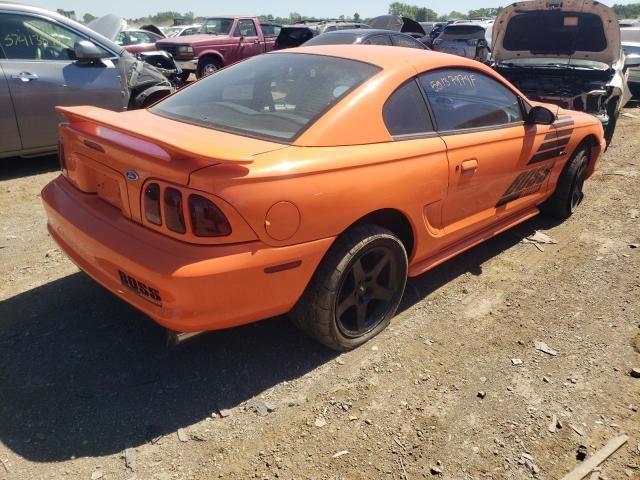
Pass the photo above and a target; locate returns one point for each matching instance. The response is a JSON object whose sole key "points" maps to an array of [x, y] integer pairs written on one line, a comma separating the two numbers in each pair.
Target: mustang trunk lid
{"points": [[112, 154], [540, 29]]}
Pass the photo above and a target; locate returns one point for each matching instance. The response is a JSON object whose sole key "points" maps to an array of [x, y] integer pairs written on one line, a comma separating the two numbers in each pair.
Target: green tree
{"points": [[356, 17], [87, 17]]}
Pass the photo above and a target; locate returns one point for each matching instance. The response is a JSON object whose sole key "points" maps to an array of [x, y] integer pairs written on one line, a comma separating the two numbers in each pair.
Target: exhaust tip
{"points": [[178, 338]]}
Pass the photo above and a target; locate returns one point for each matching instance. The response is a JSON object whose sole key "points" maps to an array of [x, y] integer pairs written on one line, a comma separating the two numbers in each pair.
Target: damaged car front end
{"points": [[567, 53]]}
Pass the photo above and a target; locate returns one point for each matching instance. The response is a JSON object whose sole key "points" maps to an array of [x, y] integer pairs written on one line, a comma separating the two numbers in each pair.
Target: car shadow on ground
{"points": [[84, 374], [16, 167]]}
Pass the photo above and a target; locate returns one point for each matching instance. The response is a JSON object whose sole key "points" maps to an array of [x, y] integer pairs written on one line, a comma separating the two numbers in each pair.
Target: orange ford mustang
{"points": [[311, 181]]}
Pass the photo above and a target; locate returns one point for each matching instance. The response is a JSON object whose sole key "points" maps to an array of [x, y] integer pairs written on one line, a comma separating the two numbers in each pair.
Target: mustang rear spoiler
{"points": [[191, 142]]}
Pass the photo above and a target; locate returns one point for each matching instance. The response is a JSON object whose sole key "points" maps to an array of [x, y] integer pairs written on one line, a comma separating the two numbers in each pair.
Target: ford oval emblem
{"points": [[131, 175]]}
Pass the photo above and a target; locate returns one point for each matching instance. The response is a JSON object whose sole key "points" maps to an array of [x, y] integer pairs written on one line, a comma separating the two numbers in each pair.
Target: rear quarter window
{"points": [[405, 112]]}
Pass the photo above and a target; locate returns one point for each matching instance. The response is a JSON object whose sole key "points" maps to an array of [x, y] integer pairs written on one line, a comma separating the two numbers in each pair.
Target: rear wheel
{"points": [[568, 193], [356, 290]]}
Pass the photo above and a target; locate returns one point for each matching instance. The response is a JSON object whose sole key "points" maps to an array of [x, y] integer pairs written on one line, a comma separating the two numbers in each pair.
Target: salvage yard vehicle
{"points": [[134, 40], [46, 60], [467, 39], [567, 53], [244, 196], [291, 36], [366, 36], [222, 41]]}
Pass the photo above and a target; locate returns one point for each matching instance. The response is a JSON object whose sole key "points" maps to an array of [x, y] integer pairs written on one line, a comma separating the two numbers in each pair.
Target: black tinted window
{"points": [[405, 112], [333, 38], [468, 99], [272, 96], [455, 30]]}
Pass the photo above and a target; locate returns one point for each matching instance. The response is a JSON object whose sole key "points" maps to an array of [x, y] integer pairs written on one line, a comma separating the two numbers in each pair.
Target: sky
{"points": [[311, 8]]}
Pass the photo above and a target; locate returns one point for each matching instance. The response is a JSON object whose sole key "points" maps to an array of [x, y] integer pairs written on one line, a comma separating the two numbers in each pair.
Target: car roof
{"points": [[362, 32], [101, 39], [388, 57]]}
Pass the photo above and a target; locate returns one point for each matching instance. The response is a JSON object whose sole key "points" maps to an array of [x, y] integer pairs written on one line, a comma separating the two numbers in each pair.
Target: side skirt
{"points": [[469, 242]]}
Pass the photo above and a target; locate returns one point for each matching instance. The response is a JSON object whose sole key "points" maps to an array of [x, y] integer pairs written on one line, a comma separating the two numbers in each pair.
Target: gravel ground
{"points": [[89, 389]]}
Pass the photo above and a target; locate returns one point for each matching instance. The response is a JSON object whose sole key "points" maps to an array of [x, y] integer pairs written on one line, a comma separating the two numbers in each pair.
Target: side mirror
{"points": [[86, 50], [541, 116], [632, 60]]}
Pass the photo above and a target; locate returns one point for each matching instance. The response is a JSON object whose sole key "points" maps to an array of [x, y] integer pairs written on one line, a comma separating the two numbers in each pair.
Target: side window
{"points": [[469, 99], [406, 41], [146, 37], [405, 112], [267, 29], [246, 28], [30, 38], [378, 40]]}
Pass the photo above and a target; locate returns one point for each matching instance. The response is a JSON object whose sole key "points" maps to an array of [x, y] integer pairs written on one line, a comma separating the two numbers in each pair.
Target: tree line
{"points": [[415, 12]]}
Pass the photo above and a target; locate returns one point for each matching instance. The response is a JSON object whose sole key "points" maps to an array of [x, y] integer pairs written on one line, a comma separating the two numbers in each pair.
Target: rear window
{"points": [[332, 38], [455, 30], [545, 32], [275, 96]]}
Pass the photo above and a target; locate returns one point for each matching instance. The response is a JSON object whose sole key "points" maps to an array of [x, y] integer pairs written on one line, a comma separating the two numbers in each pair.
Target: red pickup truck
{"points": [[221, 42]]}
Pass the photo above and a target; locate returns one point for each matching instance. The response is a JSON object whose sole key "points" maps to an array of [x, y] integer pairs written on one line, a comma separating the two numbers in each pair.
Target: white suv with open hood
{"points": [[564, 52]]}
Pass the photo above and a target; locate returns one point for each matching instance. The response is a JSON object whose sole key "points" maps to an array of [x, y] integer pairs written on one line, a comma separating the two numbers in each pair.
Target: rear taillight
{"points": [[152, 204], [173, 212], [206, 219], [61, 159]]}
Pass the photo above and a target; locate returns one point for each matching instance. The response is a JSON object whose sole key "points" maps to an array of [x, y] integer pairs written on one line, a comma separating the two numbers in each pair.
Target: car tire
{"points": [[207, 66], [356, 289], [568, 193]]}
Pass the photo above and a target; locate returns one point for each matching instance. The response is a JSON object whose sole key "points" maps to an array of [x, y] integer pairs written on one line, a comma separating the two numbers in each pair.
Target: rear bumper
{"points": [[199, 287]]}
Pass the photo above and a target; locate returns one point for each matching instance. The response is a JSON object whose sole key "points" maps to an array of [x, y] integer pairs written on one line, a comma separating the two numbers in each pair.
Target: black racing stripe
{"points": [[563, 133], [508, 199], [557, 143], [541, 157], [563, 124]]}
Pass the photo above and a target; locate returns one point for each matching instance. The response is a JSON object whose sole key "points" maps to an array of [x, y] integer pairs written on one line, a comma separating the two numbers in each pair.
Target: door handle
{"points": [[470, 166], [25, 76]]}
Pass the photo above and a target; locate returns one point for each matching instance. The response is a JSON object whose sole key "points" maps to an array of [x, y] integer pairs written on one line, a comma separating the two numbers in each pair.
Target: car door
{"points": [[250, 44], [9, 135], [489, 148], [42, 73]]}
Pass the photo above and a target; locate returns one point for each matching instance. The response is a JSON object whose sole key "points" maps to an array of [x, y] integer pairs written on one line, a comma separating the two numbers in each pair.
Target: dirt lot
{"points": [[83, 376]]}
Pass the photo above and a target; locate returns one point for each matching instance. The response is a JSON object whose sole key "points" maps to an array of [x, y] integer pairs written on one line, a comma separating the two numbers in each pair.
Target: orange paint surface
{"points": [[286, 204]]}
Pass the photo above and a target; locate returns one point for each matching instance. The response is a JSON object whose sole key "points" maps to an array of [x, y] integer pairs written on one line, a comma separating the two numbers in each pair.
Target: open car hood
{"points": [[109, 25], [571, 29], [397, 24]]}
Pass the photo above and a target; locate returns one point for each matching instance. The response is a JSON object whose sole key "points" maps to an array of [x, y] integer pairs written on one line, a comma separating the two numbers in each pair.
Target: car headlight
{"points": [[185, 50]]}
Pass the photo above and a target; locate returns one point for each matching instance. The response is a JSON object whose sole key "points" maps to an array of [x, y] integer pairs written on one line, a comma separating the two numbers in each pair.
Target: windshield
{"points": [[555, 32], [217, 26], [273, 96], [172, 31]]}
